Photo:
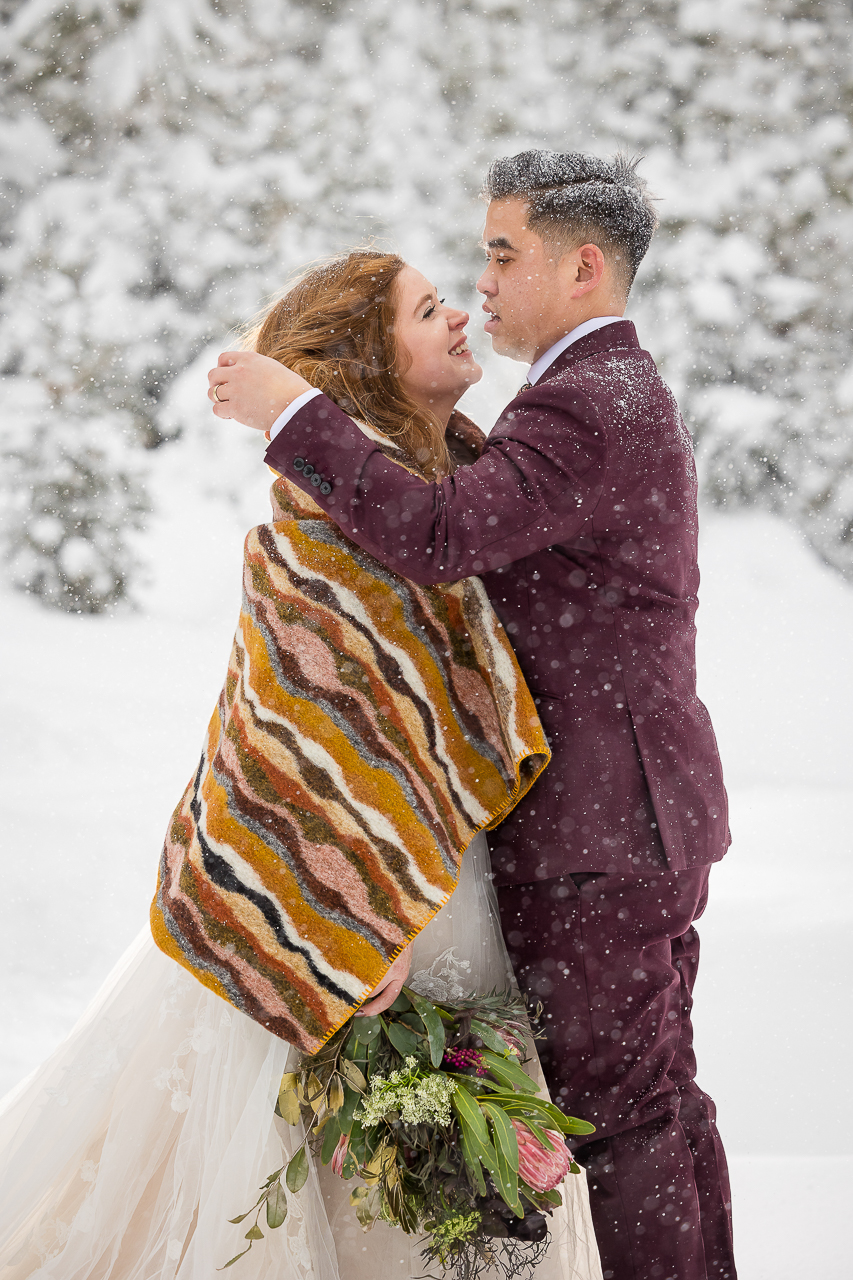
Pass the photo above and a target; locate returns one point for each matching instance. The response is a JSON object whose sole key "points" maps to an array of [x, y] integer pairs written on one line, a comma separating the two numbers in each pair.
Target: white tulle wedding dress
{"points": [[125, 1154]]}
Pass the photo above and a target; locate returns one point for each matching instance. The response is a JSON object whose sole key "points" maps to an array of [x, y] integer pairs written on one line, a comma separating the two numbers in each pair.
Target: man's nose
{"points": [[486, 284]]}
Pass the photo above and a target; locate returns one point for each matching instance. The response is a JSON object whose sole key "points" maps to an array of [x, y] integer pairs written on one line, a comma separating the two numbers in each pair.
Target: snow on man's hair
{"points": [[576, 199]]}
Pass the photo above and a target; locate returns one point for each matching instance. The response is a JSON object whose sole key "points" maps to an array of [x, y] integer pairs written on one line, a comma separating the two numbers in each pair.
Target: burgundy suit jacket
{"points": [[580, 518]]}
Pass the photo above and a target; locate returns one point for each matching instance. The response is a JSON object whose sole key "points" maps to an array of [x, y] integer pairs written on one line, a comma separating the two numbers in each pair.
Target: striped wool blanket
{"points": [[368, 728]]}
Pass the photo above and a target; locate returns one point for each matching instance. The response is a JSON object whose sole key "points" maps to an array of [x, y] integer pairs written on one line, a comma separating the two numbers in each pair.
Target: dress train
{"points": [[124, 1155]]}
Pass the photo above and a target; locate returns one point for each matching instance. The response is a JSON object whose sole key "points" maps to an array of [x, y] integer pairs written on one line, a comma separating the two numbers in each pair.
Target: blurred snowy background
{"points": [[164, 166]]}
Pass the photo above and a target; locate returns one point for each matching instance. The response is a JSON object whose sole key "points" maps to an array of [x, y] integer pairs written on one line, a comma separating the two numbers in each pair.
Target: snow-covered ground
{"points": [[103, 720]]}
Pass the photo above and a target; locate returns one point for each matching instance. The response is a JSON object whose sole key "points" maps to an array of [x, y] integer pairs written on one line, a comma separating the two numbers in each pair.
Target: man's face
{"points": [[527, 284]]}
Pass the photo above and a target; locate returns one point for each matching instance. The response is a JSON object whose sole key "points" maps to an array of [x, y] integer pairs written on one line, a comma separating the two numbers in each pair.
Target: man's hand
{"points": [[253, 389], [389, 988]]}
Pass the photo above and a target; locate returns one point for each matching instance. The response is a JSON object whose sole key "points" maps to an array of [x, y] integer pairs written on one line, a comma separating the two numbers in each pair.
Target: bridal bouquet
{"points": [[427, 1108]]}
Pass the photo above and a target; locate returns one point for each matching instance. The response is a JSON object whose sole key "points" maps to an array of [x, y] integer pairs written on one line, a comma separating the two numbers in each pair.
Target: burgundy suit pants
{"points": [[613, 959]]}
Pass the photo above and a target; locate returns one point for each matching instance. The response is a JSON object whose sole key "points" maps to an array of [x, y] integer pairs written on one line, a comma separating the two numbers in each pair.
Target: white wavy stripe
{"points": [[246, 874], [472, 807], [378, 822], [503, 667]]}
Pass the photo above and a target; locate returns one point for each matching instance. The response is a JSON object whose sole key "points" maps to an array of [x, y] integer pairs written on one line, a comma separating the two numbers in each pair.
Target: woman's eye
{"points": [[429, 311]]}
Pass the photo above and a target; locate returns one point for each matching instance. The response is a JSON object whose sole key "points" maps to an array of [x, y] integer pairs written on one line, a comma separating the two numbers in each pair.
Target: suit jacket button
{"points": [[325, 488], [307, 470], [298, 464], [316, 479]]}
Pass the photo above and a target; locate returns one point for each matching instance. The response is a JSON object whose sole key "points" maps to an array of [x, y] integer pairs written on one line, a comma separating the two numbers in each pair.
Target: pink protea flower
{"points": [[541, 1169], [340, 1154]]}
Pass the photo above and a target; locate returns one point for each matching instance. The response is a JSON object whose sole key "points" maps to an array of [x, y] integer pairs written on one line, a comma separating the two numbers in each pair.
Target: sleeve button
{"points": [[307, 470], [316, 479], [298, 464], [325, 488]]}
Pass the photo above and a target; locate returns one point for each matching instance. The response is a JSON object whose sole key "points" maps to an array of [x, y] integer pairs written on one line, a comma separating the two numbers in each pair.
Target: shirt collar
{"points": [[580, 331]]}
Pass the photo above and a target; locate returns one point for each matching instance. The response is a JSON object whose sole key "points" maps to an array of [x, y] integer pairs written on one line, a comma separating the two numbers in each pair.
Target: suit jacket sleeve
{"points": [[536, 483]]}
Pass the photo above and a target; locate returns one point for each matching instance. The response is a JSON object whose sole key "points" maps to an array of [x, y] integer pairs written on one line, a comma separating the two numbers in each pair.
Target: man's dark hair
{"points": [[577, 199]]}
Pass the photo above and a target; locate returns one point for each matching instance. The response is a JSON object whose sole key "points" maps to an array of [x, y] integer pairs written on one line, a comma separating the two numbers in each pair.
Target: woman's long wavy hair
{"points": [[335, 327]]}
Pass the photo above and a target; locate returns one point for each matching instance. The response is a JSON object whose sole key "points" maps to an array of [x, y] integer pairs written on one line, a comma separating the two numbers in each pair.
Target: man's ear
{"points": [[589, 269]]}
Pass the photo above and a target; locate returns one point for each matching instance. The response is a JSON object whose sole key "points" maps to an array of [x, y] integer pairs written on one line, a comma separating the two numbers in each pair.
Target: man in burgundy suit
{"points": [[580, 518]]}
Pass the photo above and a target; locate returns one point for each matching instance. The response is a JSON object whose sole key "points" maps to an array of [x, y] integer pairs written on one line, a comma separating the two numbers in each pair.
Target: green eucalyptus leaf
{"points": [[467, 1136], [407, 1042], [560, 1120], [297, 1171], [468, 1111], [429, 1015], [358, 1146], [540, 1134], [242, 1216], [351, 1101], [331, 1138], [473, 1085], [472, 1162], [491, 1038], [509, 1073], [336, 1092], [276, 1205], [501, 1160], [315, 1093], [401, 1005], [368, 1205], [236, 1258], [288, 1105], [254, 1233], [375, 1049], [353, 1076], [573, 1125], [353, 1042], [504, 1134], [402, 1210], [368, 1029], [544, 1112]]}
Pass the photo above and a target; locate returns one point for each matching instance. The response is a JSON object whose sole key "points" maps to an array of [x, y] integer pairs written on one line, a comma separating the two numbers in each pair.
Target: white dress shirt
{"points": [[294, 407], [580, 331]]}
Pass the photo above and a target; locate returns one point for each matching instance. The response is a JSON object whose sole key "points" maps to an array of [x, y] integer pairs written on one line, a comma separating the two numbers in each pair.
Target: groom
{"points": [[580, 518]]}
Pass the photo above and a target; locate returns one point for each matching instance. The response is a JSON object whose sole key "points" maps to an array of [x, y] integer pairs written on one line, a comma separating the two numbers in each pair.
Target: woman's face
{"points": [[432, 336]]}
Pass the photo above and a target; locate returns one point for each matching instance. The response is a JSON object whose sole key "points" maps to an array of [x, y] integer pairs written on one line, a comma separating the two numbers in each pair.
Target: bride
{"points": [[124, 1156]]}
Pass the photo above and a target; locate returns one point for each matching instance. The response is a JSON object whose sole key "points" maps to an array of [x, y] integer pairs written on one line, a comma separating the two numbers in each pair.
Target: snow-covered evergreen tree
{"points": [[744, 113], [164, 166]]}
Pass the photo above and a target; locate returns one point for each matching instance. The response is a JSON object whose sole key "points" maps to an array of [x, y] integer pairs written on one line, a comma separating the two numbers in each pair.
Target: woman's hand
{"points": [[252, 388], [386, 992]]}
